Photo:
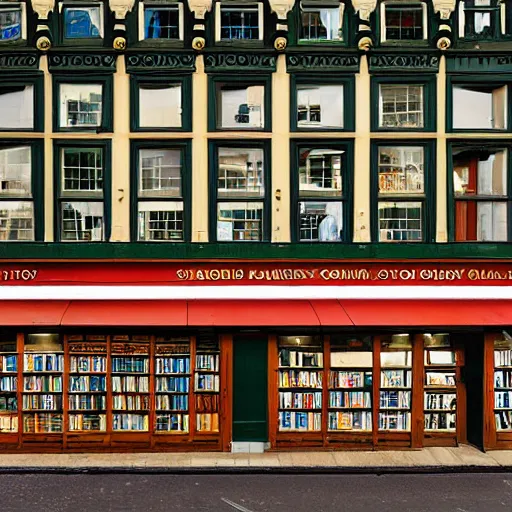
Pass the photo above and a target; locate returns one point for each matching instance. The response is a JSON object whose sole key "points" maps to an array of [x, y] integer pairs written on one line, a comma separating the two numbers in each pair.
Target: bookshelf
{"points": [[130, 376], [300, 383], [42, 397], [503, 385], [172, 385], [8, 384], [207, 385]]}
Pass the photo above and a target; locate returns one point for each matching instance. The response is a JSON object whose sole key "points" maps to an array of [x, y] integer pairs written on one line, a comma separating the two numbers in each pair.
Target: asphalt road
{"points": [[256, 493]]}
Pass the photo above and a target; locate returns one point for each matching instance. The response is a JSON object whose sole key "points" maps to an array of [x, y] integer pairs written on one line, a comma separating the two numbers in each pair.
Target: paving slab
{"points": [[502, 457]]}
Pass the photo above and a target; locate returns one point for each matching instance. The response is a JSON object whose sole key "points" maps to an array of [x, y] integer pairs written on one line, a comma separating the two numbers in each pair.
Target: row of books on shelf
{"points": [[172, 384], [8, 403], [8, 383], [349, 420], [207, 362], [295, 358], [8, 423], [503, 379], [88, 422], [130, 364], [88, 383], [87, 402], [503, 420], [130, 402], [172, 365], [207, 422], [352, 399], [395, 421], [338, 379], [171, 402], [130, 422], [88, 364], [43, 383], [446, 379], [440, 421], [395, 379], [300, 421], [130, 383], [172, 423], [503, 399], [288, 400], [43, 362], [8, 364], [39, 423], [436, 401], [503, 358], [207, 403], [395, 400], [206, 382], [300, 379], [42, 402]]}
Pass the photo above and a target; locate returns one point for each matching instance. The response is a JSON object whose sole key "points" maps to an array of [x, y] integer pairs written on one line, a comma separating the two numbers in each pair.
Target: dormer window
{"points": [[321, 21], [82, 21], [482, 19], [159, 20], [402, 21], [12, 22], [238, 21]]}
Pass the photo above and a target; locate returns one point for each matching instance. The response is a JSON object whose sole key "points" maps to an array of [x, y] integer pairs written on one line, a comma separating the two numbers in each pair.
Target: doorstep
{"points": [[428, 460]]}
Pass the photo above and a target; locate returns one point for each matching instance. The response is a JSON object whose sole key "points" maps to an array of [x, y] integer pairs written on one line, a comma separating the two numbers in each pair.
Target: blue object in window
{"points": [[10, 25], [82, 22], [161, 23]]}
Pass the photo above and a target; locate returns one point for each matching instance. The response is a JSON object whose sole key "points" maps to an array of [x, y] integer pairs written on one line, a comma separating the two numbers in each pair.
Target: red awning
{"points": [[32, 312]]}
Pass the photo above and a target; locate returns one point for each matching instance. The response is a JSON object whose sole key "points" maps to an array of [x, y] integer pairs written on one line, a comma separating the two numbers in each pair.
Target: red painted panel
{"points": [[32, 312]]}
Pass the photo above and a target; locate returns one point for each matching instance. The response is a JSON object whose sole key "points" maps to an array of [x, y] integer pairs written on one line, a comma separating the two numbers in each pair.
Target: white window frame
{"points": [[84, 4], [23, 9], [408, 112], [462, 18], [155, 4], [383, 5], [218, 6], [313, 6]]}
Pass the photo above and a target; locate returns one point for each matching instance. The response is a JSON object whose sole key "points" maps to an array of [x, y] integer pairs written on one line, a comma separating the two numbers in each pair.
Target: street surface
{"points": [[256, 493]]}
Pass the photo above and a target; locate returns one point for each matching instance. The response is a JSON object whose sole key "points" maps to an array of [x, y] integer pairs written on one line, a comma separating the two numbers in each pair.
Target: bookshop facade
{"points": [[319, 355]]}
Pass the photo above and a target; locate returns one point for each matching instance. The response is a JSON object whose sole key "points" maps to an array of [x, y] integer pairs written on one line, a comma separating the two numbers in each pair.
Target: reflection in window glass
{"points": [[83, 22], [240, 221], [320, 23], [481, 107], [160, 106], [320, 106], [404, 22], [82, 221], [82, 170], [162, 22], [240, 106], [321, 221], [400, 106], [240, 172], [401, 170], [400, 221], [10, 22], [17, 107], [479, 18], [16, 221], [16, 172], [239, 23], [80, 105], [320, 172], [160, 221], [160, 172]]}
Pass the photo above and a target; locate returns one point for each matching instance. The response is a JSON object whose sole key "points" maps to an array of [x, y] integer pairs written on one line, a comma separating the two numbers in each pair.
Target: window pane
{"points": [[240, 106], [16, 221], [479, 20], [17, 107], [80, 105], [320, 172], [160, 172], [239, 222], [320, 106], [320, 222], [404, 22], [401, 170], [161, 221], [480, 172], [82, 221], [239, 23], [16, 172], [10, 23], [82, 171], [400, 222], [160, 106], [162, 23], [83, 22], [320, 24], [479, 107], [401, 106], [240, 173], [492, 222]]}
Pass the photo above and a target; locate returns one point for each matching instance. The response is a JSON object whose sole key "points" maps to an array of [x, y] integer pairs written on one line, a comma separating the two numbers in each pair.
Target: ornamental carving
{"points": [[161, 60], [245, 61], [364, 8], [82, 61], [444, 8], [281, 7], [405, 61], [43, 8], [121, 7], [200, 8], [319, 62], [18, 60]]}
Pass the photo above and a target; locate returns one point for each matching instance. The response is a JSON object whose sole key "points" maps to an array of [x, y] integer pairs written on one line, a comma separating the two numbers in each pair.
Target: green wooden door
{"points": [[250, 389]]}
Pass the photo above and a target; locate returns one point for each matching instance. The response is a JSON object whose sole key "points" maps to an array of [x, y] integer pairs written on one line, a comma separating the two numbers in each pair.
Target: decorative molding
{"points": [[364, 8], [43, 8], [121, 7], [412, 62], [444, 8], [200, 8], [245, 61], [11, 61], [281, 7], [322, 62], [160, 61], [75, 61], [479, 63]]}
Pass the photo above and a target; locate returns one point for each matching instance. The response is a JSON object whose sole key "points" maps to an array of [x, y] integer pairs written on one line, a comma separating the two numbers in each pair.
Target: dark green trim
{"points": [[300, 59], [107, 101], [349, 100], [428, 199], [11, 61], [256, 79], [400, 61], [213, 159], [37, 182], [186, 100], [229, 60], [347, 180], [495, 144], [429, 100], [484, 80], [102, 61], [160, 61], [478, 62], [103, 144], [186, 183], [37, 81]]}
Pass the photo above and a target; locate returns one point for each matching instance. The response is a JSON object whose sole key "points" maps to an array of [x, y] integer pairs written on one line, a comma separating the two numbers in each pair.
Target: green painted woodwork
{"points": [[228, 60], [102, 61], [11, 61], [399, 60], [250, 389], [478, 62], [160, 61], [321, 61]]}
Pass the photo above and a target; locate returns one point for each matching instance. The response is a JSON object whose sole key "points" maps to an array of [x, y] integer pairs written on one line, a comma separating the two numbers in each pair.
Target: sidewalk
{"points": [[427, 460]]}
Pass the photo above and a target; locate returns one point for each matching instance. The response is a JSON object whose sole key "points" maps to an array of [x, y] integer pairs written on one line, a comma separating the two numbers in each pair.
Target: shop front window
{"points": [[503, 384], [16, 107], [401, 106], [401, 22], [80, 105], [320, 106], [240, 106]]}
